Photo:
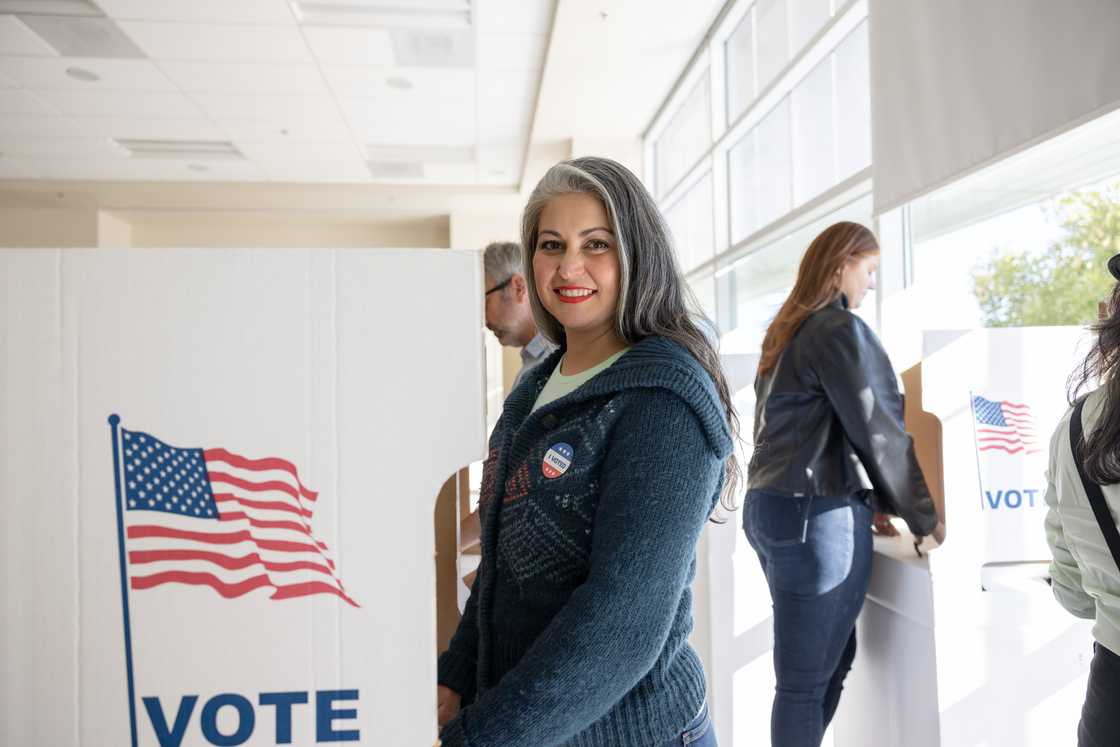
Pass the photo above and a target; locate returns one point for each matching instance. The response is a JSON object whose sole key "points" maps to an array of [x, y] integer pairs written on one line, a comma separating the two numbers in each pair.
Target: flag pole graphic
{"points": [[114, 421], [976, 447]]}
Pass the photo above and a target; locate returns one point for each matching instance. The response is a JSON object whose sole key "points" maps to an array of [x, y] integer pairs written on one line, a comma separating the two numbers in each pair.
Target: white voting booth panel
{"points": [[286, 419], [967, 646]]}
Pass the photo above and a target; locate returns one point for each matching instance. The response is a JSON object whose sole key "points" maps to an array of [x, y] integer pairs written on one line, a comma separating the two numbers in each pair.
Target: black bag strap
{"points": [[1093, 490]]}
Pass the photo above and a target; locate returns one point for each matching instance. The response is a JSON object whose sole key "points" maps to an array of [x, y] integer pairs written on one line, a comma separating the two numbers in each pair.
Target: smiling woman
{"points": [[607, 461]]}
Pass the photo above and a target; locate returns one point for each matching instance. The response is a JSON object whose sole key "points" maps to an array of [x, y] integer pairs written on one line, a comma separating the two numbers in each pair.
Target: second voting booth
{"points": [[967, 645]]}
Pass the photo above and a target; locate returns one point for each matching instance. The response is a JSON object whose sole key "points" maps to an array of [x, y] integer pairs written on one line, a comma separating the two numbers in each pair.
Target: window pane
{"points": [[814, 145], [740, 68], [774, 165], [690, 220], [749, 294], [806, 17], [704, 289], [742, 168], [853, 104], [686, 137], [773, 40]]}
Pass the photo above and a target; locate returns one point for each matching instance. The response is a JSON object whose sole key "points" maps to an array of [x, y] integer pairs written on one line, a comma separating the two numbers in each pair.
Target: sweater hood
{"points": [[652, 363]]}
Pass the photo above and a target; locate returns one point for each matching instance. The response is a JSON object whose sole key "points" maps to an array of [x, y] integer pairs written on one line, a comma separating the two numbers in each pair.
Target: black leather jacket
{"points": [[828, 421]]}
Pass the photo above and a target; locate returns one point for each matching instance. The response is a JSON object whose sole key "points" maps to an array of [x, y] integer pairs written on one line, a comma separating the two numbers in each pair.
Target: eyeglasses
{"points": [[499, 286]]}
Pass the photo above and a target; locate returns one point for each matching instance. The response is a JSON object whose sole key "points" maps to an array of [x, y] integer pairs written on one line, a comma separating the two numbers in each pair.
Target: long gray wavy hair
{"points": [[653, 298]]}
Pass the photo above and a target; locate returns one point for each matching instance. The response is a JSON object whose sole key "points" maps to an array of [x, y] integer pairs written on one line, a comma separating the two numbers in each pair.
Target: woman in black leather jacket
{"points": [[830, 448]]}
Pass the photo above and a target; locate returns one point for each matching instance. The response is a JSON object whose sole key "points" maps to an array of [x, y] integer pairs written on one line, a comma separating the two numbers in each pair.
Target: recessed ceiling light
{"points": [[401, 84], [80, 73], [197, 167]]}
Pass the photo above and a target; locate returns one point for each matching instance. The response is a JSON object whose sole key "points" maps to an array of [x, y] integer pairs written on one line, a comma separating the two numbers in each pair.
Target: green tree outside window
{"points": [[1063, 284]]}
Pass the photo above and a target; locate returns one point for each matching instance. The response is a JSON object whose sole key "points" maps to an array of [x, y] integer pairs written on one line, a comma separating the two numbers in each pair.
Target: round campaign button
{"points": [[557, 460]]}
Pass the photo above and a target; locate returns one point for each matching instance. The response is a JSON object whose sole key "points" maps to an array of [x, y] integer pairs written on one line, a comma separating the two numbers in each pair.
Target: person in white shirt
{"points": [[1083, 496]]}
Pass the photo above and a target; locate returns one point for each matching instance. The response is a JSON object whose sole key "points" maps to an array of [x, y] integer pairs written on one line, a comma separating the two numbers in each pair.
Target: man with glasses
{"points": [[508, 314]]}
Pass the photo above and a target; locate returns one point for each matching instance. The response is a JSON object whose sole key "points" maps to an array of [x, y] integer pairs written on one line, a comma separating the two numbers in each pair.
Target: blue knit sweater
{"points": [[576, 631]]}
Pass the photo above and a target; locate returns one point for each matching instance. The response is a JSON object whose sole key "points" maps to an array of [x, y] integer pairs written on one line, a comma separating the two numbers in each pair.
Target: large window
{"points": [[690, 220], [685, 139]]}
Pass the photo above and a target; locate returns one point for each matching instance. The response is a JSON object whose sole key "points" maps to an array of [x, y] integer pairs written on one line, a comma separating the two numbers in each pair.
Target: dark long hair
{"points": [[816, 285], [1102, 446], [653, 298]]}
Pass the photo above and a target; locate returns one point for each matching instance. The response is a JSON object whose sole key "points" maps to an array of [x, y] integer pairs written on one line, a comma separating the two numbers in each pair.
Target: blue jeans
{"points": [[1100, 718], [816, 554], [697, 734]]}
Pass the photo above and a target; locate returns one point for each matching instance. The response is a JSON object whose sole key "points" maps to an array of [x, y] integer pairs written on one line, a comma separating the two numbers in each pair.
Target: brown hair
{"points": [[1101, 448], [816, 284]]}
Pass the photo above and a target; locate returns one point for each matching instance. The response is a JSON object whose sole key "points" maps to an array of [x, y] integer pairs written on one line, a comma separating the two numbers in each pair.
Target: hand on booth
{"points": [[447, 705]]}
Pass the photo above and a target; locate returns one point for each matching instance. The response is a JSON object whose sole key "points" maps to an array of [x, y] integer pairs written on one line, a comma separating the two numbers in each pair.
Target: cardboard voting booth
{"points": [[219, 473], [967, 645]]}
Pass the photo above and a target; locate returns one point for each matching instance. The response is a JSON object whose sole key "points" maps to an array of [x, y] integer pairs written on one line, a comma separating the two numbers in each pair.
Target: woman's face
{"points": [[575, 264], [857, 276]]}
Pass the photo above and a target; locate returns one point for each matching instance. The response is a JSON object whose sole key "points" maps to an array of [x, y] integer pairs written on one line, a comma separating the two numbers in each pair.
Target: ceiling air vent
{"points": [[395, 170], [433, 48], [194, 150], [50, 8], [82, 36], [385, 14]]}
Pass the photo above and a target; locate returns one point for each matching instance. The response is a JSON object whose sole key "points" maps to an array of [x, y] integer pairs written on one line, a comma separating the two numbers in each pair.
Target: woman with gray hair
{"points": [[607, 461]]}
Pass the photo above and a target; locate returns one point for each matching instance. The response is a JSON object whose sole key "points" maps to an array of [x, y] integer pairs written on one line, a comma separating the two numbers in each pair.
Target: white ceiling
{"points": [[301, 102]]}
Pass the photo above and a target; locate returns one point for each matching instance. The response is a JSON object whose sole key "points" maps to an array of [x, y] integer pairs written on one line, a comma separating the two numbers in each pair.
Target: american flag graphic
{"points": [[1004, 426], [209, 517]]}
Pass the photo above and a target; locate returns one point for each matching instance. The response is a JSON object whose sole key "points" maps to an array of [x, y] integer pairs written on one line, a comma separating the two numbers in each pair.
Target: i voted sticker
{"points": [[557, 460]]}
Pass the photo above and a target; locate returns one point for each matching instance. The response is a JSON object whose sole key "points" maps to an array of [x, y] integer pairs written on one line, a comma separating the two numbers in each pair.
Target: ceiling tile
{"points": [[511, 51], [193, 41], [6, 82], [241, 106], [122, 104], [251, 78], [448, 120], [343, 172], [259, 12], [60, 147], [500, 164], [114, 127], [506, 103], [397, 82], [18, 40], [349, 46], [513, 16], [119, 75], [18, 168], [451, 173], [23, 102], [149, 169], [284, 149], [326, 130]]}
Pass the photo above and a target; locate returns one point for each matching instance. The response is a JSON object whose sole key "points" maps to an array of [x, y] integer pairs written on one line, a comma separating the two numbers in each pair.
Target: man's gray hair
{"points": [[501, 260]]}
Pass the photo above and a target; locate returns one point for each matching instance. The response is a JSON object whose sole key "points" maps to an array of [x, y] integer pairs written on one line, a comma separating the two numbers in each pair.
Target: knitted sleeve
{"points": [[458, 664], [659, 481]]}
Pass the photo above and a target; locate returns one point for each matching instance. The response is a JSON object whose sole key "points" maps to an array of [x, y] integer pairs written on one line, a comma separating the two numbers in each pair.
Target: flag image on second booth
{"points": [[210, 517]]}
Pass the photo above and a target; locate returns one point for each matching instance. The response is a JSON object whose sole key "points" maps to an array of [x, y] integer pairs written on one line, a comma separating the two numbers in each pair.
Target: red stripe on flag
{"points": [[201, 579], [263, 524], [229, 562], [263, 505], [311, 587], [270, 463], [256, 487]]}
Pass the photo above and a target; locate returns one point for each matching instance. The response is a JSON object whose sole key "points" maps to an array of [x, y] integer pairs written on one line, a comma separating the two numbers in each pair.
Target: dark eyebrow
{"points": [[581, 233]]}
